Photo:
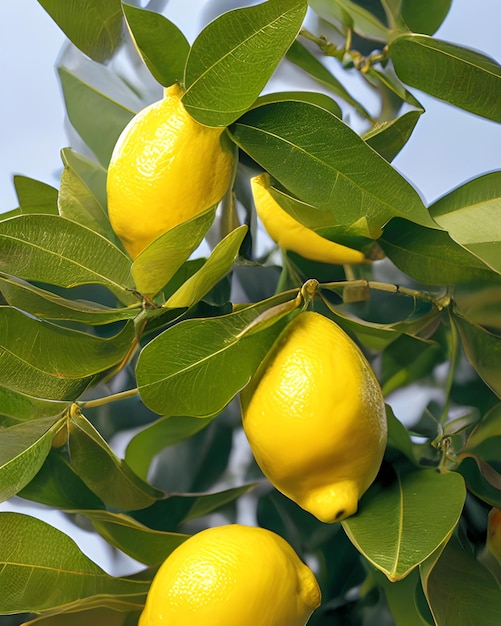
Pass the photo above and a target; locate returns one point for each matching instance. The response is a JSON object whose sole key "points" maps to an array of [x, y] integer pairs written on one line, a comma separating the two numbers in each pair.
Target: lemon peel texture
{"points": [[165, 168], [315, 418], [291, 235], [232, 575]]}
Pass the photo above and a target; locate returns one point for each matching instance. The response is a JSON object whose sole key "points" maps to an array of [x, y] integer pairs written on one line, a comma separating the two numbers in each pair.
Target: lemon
{"points": [[315, 418], [232, 576], [494, 533], [165, 169], [291, 235]]}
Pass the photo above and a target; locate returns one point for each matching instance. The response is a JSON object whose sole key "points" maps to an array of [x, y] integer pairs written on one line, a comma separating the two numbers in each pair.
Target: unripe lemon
{"points": [[291, 235], [232, 576], [165, 169], [315, 418], [494, 533]]}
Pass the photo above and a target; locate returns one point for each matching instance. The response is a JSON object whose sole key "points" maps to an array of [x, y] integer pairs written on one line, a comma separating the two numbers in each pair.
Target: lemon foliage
{"points": [[207, 328]]}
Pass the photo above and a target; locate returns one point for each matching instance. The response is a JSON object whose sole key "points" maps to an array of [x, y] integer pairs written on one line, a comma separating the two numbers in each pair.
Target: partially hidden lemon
{"points": [[494, 533], [232, 575], [165, 169], [315, 418], [291, 235]]}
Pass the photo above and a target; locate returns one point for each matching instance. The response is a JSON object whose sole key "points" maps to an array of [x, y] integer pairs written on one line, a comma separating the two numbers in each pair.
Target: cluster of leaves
{"points": [[158, 345]]}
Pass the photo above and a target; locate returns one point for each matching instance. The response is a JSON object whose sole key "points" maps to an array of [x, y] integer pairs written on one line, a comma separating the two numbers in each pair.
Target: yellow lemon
{"points": [[165, 169], [290, 234], [494, 533], [315, 419], [232, 576]]}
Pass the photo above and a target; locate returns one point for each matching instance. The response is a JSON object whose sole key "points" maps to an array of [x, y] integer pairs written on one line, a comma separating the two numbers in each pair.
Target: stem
{"points": [[114, 397], [453, 358]]}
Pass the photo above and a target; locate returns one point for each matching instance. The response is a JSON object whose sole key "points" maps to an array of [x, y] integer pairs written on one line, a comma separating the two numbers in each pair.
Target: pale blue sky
{"points": [[448, 146]]}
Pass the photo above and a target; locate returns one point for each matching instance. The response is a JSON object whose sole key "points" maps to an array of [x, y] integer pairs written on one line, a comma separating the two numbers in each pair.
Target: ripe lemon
{"points": [[165, 169], [290, 234], [315, 419], [494, 533], [232, 576]]}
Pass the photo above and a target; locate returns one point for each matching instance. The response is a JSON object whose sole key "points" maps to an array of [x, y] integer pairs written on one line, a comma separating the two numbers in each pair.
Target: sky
{"points": [[448, 147]]}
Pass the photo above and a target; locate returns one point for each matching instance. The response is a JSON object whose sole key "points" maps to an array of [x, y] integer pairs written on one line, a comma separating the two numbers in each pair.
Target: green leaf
{"points": [[460, 590], [158, 263], [389, 138], [304, 59], [92, 175], [97, 617], [107, 476], [47, 361], [34, 196], [431, 256], [58, 486], [94, 26], [190, 368], [398, 435], [401, 598], [438, 68], [487, 429], [35, 556], [20, 405], [97, 118], [407, 360], [426, 16], [483, 350], [388, 529], [160, 43], [480, 304], [23, 449], [55, 250], [215, 269], [245, 44], [78, 203], [311, 97], [179, 508], [45, 304], [352, 15], [481, 479], [163, 433], [141, 543], [470, 214], [326, 164]]}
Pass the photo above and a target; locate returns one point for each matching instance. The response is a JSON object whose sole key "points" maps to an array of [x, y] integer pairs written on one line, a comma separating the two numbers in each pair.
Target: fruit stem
{"points": [[114, 397]]}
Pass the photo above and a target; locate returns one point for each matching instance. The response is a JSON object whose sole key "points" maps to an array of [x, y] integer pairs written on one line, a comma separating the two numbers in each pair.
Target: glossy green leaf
{"points": [[91, 174], [161, 44], [47, 361], [481, 478], [57, 485], [158, 263], [23, 449], [215, 269], [179, 508], [141, 543], [311, 97], [107, 476], [34, 196], [76, 202], [352, 15], [55, 250], [304, 59], [431, 256], [401, 598], [426, 16], [41, 569], [388, 528], [47, 305], [20, 405], [398, 435], [480, 304], [389, 138], [244, 45], [407, 360], [488, 428], [470, 214], [483, 350], [97, 617], [460, 590], [438, 67], [326, 164], [163, 433], [97, 118], [94, 26], [386, 79], [190, 368]]}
